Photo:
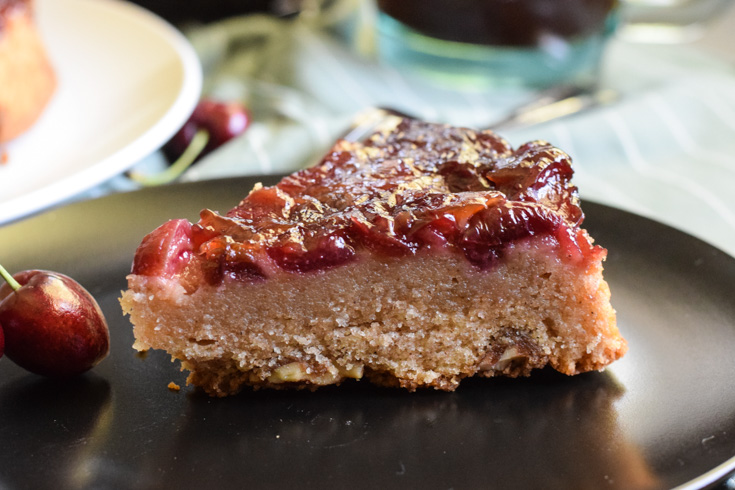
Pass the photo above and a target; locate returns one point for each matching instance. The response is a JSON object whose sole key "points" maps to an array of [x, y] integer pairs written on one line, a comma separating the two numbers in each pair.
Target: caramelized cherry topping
{"points": [[411, 186], [165, 250]]}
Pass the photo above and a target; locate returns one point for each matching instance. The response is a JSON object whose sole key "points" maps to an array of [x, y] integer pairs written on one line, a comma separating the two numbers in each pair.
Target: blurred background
{"points": [[651, 129], [641, 93]]}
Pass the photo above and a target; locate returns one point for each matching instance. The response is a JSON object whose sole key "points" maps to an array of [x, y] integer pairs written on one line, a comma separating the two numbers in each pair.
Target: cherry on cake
{"points": [[27, 79], [415, 258]]}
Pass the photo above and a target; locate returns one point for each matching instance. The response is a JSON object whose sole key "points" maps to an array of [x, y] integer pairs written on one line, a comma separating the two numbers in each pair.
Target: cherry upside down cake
{"points": [[27, 80], [418, 257]]}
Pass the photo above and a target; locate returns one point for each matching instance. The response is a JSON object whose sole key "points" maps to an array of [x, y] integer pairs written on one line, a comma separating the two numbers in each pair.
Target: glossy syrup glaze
{"points": [[412, 187]]}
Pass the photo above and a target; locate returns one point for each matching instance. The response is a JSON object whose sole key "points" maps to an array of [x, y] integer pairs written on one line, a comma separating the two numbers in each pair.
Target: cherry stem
{"points": [[195, 148], [9, 279]]}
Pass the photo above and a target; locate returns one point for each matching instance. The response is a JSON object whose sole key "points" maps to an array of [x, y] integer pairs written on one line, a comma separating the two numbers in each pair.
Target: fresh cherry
{"points": [[53, 326], [211, 125], [2, 342], [221, 120]]}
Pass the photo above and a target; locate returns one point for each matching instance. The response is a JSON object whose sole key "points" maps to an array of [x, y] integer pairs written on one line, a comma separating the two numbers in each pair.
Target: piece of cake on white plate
{"points": [[27, 79], [418, 257]]}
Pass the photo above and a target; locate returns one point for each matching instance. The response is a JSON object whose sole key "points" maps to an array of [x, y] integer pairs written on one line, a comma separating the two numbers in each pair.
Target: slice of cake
{"points": [[27, 80], [423, 255]]}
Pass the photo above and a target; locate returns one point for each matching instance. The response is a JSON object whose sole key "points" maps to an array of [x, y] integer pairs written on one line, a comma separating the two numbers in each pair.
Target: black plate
{"points": [[663, 416]]}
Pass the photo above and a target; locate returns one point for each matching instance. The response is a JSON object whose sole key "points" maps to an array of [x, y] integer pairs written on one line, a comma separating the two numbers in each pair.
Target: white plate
{"points": [[127, 81]]}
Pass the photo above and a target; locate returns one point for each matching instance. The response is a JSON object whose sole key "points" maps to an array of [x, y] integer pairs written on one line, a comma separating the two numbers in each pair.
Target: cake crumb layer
{"points": [[426, 321]]}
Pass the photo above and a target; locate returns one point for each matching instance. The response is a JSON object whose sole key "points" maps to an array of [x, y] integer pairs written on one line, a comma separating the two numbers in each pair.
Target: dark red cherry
{"points": [[52, 325], [2, 342], [221, 120]]}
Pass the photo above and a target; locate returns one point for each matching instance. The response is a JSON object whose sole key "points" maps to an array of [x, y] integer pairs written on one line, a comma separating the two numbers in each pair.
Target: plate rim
{"points": [[140, 146]]}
